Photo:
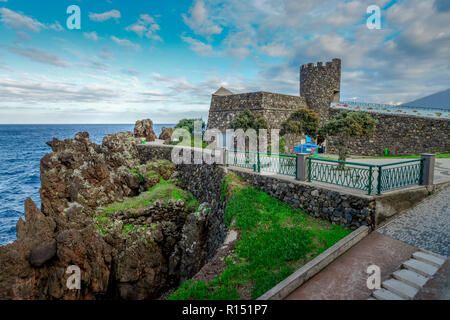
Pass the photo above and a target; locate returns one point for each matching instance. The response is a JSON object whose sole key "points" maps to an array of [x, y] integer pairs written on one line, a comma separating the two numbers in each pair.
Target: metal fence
{"points": [[263, 162], [369, 178], [366, 177]]}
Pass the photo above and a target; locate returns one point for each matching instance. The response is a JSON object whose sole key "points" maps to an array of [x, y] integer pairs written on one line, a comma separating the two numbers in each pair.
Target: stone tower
{"points": [[320, 85]]}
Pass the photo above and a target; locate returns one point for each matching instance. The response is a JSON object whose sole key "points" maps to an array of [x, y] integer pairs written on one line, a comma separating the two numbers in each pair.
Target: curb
{"points": [[295, 280]]}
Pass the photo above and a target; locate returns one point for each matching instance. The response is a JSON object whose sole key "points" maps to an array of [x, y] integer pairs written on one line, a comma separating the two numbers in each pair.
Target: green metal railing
{"points": [[366, 177], [399, 175], [346, 174], [369, 178], [263, 162]]}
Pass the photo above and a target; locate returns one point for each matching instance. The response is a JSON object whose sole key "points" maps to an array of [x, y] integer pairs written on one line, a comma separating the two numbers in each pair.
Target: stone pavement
{"points": [[426, 226]]}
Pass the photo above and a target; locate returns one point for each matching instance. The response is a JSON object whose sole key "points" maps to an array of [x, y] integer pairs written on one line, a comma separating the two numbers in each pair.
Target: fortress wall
{"points": [[320, 85], [275, 108], [402, 135]]}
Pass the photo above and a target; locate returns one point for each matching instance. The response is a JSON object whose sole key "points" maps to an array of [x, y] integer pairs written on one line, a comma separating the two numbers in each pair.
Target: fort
{"points": [[400, 131]]}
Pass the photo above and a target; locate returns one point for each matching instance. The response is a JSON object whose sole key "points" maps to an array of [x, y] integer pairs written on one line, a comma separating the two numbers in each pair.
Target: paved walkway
{"points": [[346, 277], [426, 226]]}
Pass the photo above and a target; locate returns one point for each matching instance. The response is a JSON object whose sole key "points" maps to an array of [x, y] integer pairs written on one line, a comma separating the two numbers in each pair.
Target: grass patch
{"points": [[163, 191], [275, 241]]}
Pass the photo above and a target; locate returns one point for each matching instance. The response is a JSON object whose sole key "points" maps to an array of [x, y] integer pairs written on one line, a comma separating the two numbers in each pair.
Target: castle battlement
{"points": [[334, 64]]}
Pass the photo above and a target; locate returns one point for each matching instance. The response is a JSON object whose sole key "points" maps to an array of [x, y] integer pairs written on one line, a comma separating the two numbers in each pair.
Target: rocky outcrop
{"points": [[166, 134], [144, 129], [121, 254], [34, 266]]}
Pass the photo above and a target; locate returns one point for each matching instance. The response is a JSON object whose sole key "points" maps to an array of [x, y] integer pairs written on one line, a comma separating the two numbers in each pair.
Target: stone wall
{"points": [[337, 207], [275, 108], [402, 135]]}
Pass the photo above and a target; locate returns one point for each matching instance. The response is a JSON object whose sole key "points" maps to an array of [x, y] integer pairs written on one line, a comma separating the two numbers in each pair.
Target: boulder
{"points": [[144, 129], [166, 134]]}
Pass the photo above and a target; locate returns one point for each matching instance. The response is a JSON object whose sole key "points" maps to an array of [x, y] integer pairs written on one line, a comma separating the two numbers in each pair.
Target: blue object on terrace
{"points": [[307, 148]]}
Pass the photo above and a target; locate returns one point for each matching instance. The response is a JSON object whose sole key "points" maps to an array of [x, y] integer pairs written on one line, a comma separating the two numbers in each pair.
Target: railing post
{"points": [[380, 172], [369, 187], [302, 166], [224, 156], [259, 163], [427, 165]]}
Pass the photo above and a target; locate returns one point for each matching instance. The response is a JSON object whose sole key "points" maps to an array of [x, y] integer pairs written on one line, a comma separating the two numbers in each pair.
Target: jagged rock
{"points": [[79, 177], [42, 254], [144, 129], [166, 134]]}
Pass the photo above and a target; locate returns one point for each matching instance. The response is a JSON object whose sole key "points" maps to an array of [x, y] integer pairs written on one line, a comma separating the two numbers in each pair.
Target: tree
{"points": [[302, 121], [348, 125], [249, 120], [188, 124]]}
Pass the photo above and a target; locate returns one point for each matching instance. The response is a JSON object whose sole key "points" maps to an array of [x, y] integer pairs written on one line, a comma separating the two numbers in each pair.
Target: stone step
{"points": [[383, 294], [428, 258], [420, 267], [400, 288], [410, 277]]}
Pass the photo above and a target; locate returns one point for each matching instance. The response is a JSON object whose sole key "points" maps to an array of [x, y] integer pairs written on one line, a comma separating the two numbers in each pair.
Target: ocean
{"points": [[21, 149]]}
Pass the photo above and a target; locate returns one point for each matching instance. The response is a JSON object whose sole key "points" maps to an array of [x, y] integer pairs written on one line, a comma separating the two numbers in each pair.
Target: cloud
{"points": [[199, 20], [30, 91], [56, 26], [41, 56], [130, 72], [91, 35], [146, 26], [106, 53], [125, 42], [201, 48], [100, 17], [20, 21]]}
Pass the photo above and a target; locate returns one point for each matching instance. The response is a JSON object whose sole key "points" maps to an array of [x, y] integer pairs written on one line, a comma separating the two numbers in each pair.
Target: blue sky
{"points": [[163, 60]]}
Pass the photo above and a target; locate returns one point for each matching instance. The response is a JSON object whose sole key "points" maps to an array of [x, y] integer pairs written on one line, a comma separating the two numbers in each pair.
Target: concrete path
{"points": [[426, 226], [346, 277]]}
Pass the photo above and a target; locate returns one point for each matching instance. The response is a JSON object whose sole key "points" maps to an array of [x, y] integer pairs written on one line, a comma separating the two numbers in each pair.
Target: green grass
{"points": [[275, 241], [189, 143], [163, 191]]}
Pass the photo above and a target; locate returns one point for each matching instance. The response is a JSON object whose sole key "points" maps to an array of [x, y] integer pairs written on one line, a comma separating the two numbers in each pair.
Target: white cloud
{"points": [[199, 20], [125, 42], [56, 26], [20, 21], [146, 25], [39, 55], [91, 35], [201, 48], [100, 17]]}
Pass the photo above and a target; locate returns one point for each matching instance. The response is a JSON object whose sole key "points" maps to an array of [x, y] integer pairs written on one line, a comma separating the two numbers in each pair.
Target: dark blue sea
{"points": [[21, 148]]}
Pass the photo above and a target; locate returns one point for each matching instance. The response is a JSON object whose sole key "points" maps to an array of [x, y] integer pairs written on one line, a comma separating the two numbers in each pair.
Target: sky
{"points": [[163, 59]]}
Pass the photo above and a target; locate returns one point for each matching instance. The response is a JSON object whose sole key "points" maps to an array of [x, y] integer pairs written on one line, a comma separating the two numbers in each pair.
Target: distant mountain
{"points": [[440, 100]]}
